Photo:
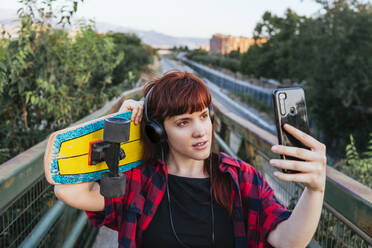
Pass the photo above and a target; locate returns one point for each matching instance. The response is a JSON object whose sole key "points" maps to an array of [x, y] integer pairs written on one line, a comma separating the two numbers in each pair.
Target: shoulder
{"points": [[150, 172], [236, 164], [247, 174], [145, 169]]}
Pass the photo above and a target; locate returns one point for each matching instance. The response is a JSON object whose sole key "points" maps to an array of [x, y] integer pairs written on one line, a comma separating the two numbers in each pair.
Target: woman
{"points": [[186, 196]]}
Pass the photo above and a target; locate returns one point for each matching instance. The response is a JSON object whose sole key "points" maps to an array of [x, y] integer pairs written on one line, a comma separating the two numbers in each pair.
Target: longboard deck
{"points": [[70, 152]]}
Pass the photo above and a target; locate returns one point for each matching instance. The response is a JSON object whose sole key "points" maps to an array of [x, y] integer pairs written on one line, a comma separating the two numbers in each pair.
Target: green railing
{"points": [[28, 204], [30, 215]]}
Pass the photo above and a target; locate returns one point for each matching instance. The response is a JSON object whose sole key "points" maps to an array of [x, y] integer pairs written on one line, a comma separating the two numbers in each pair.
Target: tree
{"points": [[137, 57], [274, 58], [332, 55], [339, 77], [49, 79]]}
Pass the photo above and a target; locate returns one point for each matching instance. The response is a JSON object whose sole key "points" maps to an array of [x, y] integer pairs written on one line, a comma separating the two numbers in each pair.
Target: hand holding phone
{"points": [[290, 108]]}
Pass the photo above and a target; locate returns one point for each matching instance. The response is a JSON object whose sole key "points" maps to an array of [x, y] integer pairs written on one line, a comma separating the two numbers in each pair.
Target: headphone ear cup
{"points": [[155, 132], [211, 113]]}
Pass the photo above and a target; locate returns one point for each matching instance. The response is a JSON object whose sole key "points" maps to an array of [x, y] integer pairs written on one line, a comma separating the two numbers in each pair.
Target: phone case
{"points": [[290, 107]]}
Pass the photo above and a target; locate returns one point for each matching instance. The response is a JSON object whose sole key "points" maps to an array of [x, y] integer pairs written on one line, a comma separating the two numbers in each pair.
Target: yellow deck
{"points": [[73, 155]]}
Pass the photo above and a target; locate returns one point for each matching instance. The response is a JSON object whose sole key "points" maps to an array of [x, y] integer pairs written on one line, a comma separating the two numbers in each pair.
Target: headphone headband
{"points": [[147, 119]]}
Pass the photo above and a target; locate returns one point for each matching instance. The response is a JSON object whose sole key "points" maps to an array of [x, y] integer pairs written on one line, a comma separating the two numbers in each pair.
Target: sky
{"points": [[191, 18]]}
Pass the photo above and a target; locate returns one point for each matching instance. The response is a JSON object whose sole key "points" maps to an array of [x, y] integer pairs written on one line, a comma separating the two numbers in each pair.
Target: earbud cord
{"points": [[211, 194], [170, 209]]}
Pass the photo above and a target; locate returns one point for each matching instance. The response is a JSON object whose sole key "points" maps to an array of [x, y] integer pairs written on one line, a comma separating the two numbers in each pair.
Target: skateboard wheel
{"points": [[113, 187], [116, 130]]}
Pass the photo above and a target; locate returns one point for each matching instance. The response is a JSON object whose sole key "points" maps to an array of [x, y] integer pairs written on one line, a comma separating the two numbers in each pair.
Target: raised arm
{"points": [[298, 230], [84, 196]]}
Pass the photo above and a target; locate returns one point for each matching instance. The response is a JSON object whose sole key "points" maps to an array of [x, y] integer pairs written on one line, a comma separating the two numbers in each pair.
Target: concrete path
{"points": [[106, 238]]}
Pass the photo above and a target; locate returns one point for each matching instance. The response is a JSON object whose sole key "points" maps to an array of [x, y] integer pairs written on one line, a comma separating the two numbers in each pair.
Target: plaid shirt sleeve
{"points": [[121, 214], [108, 216], [272, 212], [263, 211], [111, 216]]}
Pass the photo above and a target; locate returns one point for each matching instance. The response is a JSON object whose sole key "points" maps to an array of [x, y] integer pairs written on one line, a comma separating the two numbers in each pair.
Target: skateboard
{"points": [[80, 154]]}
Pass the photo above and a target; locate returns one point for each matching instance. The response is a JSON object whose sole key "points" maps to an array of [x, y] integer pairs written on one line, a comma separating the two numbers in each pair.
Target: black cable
{"points": [[211, 194], [170, 209]]}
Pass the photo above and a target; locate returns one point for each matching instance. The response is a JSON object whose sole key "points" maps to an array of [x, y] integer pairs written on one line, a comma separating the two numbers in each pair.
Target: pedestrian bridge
{"points": [[31, 216]]}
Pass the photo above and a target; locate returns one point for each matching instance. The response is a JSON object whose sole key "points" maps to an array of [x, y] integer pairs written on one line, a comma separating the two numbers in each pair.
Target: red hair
{"points": [[177, 93]]}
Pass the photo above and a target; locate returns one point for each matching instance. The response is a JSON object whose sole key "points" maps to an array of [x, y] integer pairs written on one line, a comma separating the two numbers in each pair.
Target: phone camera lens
{"points": [[292, 110], [282, 96]]}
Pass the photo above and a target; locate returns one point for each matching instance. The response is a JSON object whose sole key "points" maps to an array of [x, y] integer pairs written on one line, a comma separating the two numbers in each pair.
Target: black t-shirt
{"points": [[191, 214]]}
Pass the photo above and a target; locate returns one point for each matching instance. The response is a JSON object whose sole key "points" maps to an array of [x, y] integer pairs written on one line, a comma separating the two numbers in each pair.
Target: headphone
{"points": [[156, 133], [154, 130]]}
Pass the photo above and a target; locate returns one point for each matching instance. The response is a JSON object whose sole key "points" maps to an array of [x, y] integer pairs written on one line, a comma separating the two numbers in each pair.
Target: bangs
{"points": [[192, 98], [188, 94]]}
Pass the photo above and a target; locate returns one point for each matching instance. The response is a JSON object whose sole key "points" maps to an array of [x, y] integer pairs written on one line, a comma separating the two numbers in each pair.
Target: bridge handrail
{"points": [[344, 196], [21, 171], [348, 199], [24, 190]]}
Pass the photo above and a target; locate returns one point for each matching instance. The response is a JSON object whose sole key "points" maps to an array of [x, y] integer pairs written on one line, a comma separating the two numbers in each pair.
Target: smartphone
{"points": [[290, 107]]}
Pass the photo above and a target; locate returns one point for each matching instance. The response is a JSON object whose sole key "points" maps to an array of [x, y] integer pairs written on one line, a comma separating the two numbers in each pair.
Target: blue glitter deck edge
{"points": [[81, 131]]}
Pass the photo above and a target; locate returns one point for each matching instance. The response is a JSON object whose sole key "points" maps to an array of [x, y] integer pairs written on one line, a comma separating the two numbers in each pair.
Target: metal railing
{"points": [[19, 217], [232, 84], [346, 219], [347, 200], [30, 215], [27, 197]]}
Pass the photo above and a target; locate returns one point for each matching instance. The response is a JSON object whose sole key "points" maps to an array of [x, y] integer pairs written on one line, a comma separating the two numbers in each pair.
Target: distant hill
{"points": [[150, 37], [154, 38]]}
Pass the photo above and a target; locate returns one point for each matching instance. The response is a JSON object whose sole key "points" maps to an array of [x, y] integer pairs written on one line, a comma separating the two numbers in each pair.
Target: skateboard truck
{"points": [[97, 152], [115, 131]]}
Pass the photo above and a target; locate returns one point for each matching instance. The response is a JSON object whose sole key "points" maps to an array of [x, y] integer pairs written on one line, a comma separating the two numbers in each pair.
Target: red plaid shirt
{"points": [[255, 209]]}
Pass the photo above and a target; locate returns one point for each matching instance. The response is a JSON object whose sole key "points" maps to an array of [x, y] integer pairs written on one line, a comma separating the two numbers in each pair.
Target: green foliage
{"points": [[255, 103], [180, 49], [338, 75], [358, 166], [224, 61], [137, 57], [50, 78], [331, 54], [275, 58], [234, 54]]}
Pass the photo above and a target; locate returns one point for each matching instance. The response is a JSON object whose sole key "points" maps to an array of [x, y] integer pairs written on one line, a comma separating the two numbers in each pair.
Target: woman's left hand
{"points": [[136, 107], [312, 171]]}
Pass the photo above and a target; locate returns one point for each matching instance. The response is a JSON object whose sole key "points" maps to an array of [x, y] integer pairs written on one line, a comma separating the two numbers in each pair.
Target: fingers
{"points": [[300, 153], [300, 166], [312, 171], [293, 165], [136, 107], [137, 114], [306, 139], [297, 177], [315, 181], [127, 105]]}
